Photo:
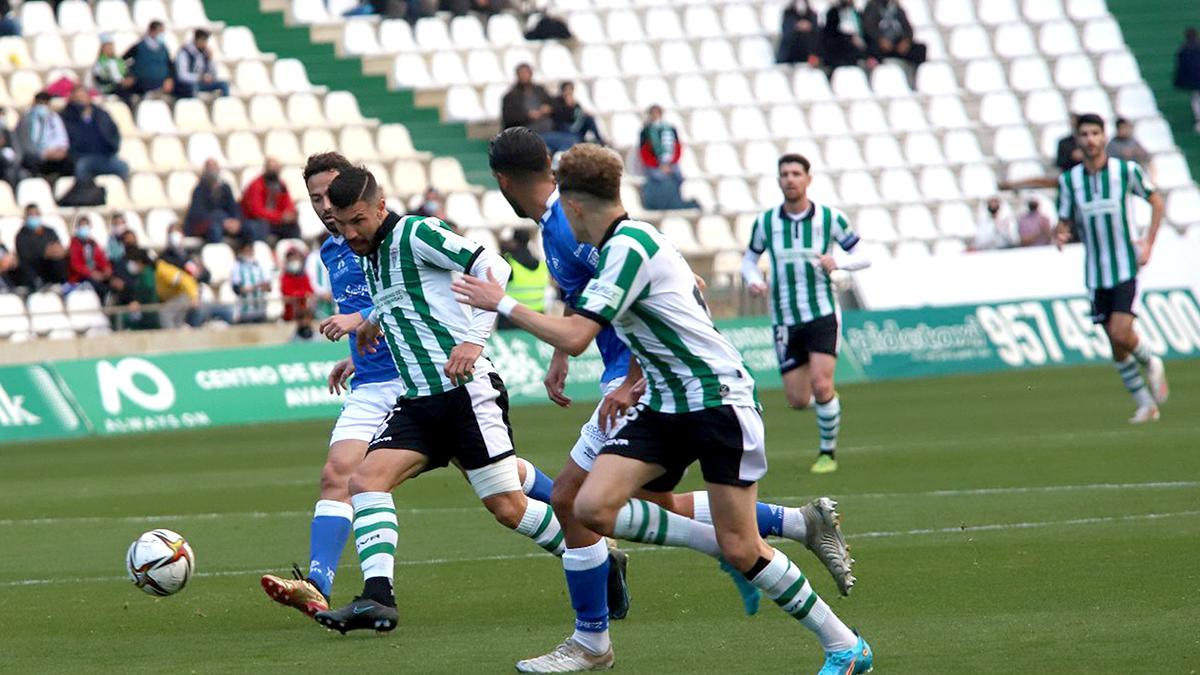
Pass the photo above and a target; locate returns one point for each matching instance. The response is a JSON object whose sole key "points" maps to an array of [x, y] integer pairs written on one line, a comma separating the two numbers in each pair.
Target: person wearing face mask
{"points": [[213, 211], [800, 35], [151, 62], [42, 140], [94, 138], [660, 152], [267, 207], [41, 258], [1033, 227], [251, 285], [114, 248], [996, 228], [296, 289], [844, 41], [88, 262], [110, 75]]}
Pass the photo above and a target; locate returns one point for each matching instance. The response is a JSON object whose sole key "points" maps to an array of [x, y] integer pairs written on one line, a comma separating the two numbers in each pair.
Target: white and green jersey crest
{"points": [[801, 291], [409, 277], [1099, 204], [647, 291]]}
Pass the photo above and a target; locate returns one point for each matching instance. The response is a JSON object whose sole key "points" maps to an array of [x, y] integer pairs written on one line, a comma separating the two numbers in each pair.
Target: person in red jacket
{"points": [[297, 293], [268, 208], [660, 149], [87, 260]]}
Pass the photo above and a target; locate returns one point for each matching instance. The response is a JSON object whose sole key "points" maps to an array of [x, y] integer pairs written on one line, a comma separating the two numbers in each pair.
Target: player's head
{"points": [[1089, 131], [319, 172], [520, 162], [794, 176], [589, 182], [358, 207]]}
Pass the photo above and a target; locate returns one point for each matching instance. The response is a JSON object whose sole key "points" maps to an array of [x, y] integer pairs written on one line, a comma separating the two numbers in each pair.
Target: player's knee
{"points": [[823, 388], [740, 549], [798, 401], [595, 513], [508, 508], [562, 499], [335, 480]]}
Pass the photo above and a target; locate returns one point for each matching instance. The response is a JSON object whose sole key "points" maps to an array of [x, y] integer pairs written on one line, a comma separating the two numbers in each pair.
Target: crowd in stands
{"points": [[847, 36]]}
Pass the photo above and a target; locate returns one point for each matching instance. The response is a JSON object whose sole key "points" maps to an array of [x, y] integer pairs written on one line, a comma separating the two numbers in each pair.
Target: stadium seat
{"points": [[1013, 144], [874, 224], [83, 310], [503, 30], [770, 87], [358, 144], [849, 83], [343, 107], [747, 123], [1092, 99], [167, 154], [720, 159], [739, 20], [304, 110], [787, 121], [1183, 206], [857, 188], [1058, 38], [1015, 40], [610, 95], [907, 114], [283, 146], [985, 76], [557, 63], [46, 313], [883, 152], [677, 58], [447, 69], [866, 117], [638, 58], [760, 157], [923, 149], [1029, 74], [1172, 170], [1074, 72], [1023, 169], [998, 12], [218, 259], [1000, 109], [496, 210], [446, 174], [242, 150], [237, 43], [716, 55], [623, 25], [201, 146], [648, 91], [679, 232], [397, 35], [1045, 107], [733, 196], [897, 186], [756, 54], [145, 11], [1038, 11], [75, 16], [826, 119], [949, 13], [916, 222], [37, 17], [189, 14], [662, 23], [253, 76], [821, 189], [266, 112], [937, 183], [1118, 69], [49, 49], [700, 21], [431, 34], [708, 126], [229, 114], [466, 32], [936, 78], [484, 68], [358, 38], [843, 154], [409, 72], [13, 319], [978, 181], [1136, 101], [158, 221], [889, 80], [462, 104], [191, 115], [84, 47], [36, 191], [1103, 35], [970, 42], [1154, 134]]}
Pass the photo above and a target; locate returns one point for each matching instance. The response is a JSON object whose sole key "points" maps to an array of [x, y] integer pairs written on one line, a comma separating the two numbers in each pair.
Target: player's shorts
{"points": [[1109, 301], [591, 439], [468, 423], [793, 344], [364, 410], [727, 441]]}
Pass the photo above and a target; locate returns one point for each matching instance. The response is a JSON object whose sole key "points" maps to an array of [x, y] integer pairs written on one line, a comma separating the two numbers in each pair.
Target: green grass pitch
{"points": [[1002, 524]]}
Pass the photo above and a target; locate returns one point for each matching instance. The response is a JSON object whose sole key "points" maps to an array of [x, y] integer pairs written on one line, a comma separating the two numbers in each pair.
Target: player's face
{"points": [[506, 185], [359, 222], [793, 181], [318, 196], [1092, 139], [574, 212]]}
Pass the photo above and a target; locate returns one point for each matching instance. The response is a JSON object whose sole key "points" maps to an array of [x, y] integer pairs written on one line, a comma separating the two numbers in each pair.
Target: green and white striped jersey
{"points": [[801, 291], [1099, 204], [647, 291], [409, 276]]}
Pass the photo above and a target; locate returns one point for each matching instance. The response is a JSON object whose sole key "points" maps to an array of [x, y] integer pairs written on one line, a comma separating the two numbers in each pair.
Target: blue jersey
{"points": [[573, 264], [349, 286]]}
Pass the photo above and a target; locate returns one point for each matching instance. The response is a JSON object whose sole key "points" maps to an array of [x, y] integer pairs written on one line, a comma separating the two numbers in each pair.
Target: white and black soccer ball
{"points": [[160, 562]]}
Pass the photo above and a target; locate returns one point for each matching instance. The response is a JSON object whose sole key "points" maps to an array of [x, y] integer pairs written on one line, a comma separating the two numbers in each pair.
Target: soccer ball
{"points": [[160, 562]]}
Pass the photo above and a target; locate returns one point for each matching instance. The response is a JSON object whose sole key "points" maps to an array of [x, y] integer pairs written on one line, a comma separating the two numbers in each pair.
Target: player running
{"points": [[799, 236], [1094, 196], [373, 392], [699, 406]]}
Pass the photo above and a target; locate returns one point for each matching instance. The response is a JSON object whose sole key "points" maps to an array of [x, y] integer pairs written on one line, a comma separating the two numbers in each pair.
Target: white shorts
{"points": [[591, 439], [364, 411]]}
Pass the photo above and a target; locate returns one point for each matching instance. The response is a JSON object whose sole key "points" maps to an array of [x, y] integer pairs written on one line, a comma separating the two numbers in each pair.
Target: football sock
{"points": [[784, 583], [1142, 353], [587, 582], [536, 485], [1132, 377], [327, 537], [540, 525], [648, 523], [772, 518], [375, 535], [829, 418]]}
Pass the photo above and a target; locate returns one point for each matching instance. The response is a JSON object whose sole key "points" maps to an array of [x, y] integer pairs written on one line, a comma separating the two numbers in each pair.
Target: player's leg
{"points": [[1113, 308], [797, 388], [828, 409], [1120, 329], [534, 483]]}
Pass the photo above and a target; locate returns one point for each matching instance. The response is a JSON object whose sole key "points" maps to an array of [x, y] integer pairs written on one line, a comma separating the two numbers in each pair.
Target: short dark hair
{"points": [[795, 158], [41, 97], [32, 205], [325, 161], [1089, 118], [1121, 120], [201, 34], [518, 150], [352, 185], [523, 64], [562, 86], [156, 25]]}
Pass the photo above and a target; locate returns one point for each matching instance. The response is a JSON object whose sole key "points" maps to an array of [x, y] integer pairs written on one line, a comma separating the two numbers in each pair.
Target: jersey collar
{"points": [[783, 215], [612, 228], [550, 202], [389, 224]]}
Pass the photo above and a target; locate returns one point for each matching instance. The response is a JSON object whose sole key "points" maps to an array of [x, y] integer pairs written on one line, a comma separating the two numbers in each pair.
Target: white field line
{"points": [[79, 520], [992, 527]]}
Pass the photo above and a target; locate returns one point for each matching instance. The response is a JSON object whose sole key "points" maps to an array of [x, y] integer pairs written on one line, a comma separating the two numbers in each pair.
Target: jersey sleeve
{"points": [[621, 276], [434, 243], [1066, 198], [1139, 184], [841, 231], [758, 235]]}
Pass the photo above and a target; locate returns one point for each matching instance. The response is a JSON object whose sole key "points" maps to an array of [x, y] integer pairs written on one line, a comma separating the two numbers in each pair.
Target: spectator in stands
{"points": [[800, 35], [10, 162], [1187, 70], [1033, 227], [843, 39], [95, 139], [1068, 153], [8, 270], [889, 34], [176, 291], [151, 62], [114, 248], [88, 263], [194, 68], [569, 117], [139, 289], [213, 211], [110, 74], [548, 27], [251, 285], [297, 294], [9, 25], [42, 140], [267, 208], [177, 254], [530, 105], [530, 276], [1125, 146], [485, 7], [996, 228], [660, 150], [41, 258]]}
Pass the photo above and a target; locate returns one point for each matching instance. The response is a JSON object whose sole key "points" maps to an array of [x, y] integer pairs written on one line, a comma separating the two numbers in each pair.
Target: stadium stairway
{"points": [[375, 99], [1154, 30]]}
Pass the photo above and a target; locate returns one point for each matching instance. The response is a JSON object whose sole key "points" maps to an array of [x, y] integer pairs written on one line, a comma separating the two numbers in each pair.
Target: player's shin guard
{"points": [[829, 419], [587, 581], [1132, 377], [783, 582], [773, 519], [327, 537], [536, 485], [375, 535], [540, 525], [649, 523]]}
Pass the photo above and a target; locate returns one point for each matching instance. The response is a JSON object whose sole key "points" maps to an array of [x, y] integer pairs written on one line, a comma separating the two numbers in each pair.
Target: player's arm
{"points": [[556, 374], [338, 325], [461, 362], [751, 275], [1066, 211], [846, 238], [1143, 188], [572, 334], [1028, 183], [622, 398]]}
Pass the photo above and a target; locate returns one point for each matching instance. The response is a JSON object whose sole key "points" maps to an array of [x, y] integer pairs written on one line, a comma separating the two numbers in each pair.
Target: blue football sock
{"points": [[587, 582], [770, 520], [537, 485], [327, 537]]}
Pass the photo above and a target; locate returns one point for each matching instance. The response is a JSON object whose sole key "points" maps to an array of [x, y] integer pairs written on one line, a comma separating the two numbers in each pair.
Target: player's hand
{"points": [[556, 379], [341, 324], [368, 338], [1062, 236], [1143, 251], [482, 293], [700, 282], [757, 289], [461, 364], [342, 370], [827, 263], [614, 405]]}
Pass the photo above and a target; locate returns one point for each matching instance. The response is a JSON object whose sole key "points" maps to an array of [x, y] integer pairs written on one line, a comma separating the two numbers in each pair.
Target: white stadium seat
{"points": [[46, 313], [1029, 73], [1058, 38], [1092, 99], [1014, 40], [638, 58], [1014, 143], [950, 13], [938, 183], [997, 12], [701, 21], [826, 119], [397, 35], [677, 58], [431, 34], [1103, 35], [410, 72], [1118, 69], [788, 121], [866, 117], [717, 55], [843, 154], [75, 16], [857, 188], [849, 83], [1074, 72], [947, 112], [756, 53], [982, 77], [874, 224], [907, 114], [916, 222], [1172, 170], [1000, 109], [447, 69], [1136, 101], [970, 42], [1038, 11], [923, 149], [1183, 206], [883, 152], [662, 23], [359, 38], [1045, 107], [897, 186], [679, 232], [962, 147], [466, 32], [936, 78], [889, 80]]}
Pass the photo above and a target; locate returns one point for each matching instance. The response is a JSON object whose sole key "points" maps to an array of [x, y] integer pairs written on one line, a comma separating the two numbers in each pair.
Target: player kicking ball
{"points": [[1094, 196], [799, 236], [374, 389], [699, 405]]}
